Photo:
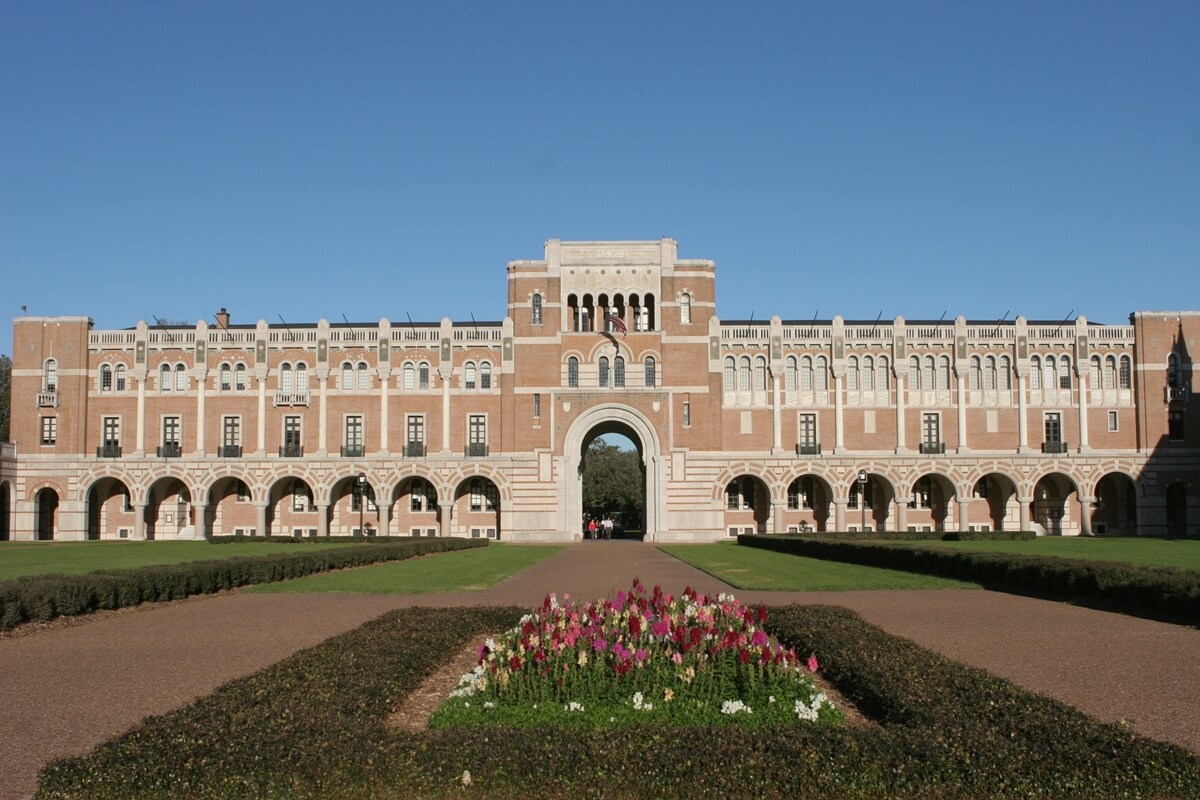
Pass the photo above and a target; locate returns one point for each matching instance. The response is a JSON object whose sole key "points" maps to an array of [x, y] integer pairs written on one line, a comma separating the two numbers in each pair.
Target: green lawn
{"points": [[1178, 553], [754, 568], [75, 558], [460, 571]]}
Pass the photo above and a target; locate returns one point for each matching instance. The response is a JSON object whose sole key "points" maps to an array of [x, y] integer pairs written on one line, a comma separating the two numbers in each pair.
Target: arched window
{"points": [[410, 376], [301, 377], [806, 374], [868, 374], [602, 377], [226, 378], [1110, 372], [651, 377], [469, 375], [1094, 373], [120, 377], [619, 372], [885, 380], [685, 308], [536, 307], [1064, 376], [181, 382], [943, 377], [914, 373], [989, 373], [50, 376], [485, 375], [106, 377], [573, 372], [928, 374], [423, 376], [744, 374], [239, 376], [821, 374], [1004, 374], [975, 376], [1035, 372], [1125, 376], [347, 376], [286, 382], [364, 377], [760, 374], [730, 374], [791, 374], [852, 374]]}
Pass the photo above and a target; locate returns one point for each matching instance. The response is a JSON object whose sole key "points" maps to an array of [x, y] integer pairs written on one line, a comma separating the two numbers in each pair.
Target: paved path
{"points": [[66, 690]]}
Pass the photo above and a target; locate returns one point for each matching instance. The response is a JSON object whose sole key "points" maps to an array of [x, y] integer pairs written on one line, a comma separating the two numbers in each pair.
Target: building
{"points": [[479, 429]]}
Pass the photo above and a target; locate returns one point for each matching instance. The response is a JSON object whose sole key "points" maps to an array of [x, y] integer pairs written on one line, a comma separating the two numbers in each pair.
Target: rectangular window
{"points": [[291, 436], [49, 430], [1112, 420], [537, 406], [808, 430], [111, 428], [170, 431], [477, 435], [106, 378], [687, 413], [299, 496], [1053, 427], [231, 431], [416, 435], [931, 429], [1175, 425], [354, 431], [226, 376]]}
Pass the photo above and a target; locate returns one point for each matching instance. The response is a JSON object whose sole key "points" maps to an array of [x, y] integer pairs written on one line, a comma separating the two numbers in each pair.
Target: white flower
{"points": [[771, 698], [808, 711], [735, 707], [489, 704], [573, 706]]}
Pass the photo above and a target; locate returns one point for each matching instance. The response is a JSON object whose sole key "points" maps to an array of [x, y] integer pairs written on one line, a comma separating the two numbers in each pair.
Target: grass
{"points": [[461, 571], [1146, 552], [19, 559], [755, 569]]}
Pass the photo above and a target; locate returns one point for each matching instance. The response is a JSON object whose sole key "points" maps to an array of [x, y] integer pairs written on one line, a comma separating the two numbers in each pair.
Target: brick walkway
{"points": [[66, 690]]}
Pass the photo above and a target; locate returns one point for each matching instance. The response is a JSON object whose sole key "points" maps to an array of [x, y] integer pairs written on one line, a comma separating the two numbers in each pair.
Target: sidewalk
{"points": [[65, 691]]}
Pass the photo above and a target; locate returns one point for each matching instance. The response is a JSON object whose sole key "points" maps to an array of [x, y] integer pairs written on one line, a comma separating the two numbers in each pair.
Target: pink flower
{"points": [[599, 645], [677, 657], [812, 665]]}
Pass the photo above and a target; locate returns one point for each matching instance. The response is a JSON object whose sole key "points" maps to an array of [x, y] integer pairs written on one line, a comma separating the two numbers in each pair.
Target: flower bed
{"points": [[638, 657]]}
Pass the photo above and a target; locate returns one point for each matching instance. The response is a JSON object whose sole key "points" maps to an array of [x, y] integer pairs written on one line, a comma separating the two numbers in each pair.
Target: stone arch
{"points": [[1114, 510], [931, 500], [229, 504], [595, 421], [109, 511], [747, 504], [352, 507], [170, 512], [476, 507], [880, 497], [290, 505], [414, 505], [993, 502], [46, 502], [1052, 506], [808, 502]]}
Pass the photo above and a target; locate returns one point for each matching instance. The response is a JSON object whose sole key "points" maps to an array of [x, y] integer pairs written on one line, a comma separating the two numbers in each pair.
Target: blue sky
{"points": [[307, 160]]}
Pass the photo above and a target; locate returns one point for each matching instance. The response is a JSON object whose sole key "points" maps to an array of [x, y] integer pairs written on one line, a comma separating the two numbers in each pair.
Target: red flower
{"points": [[762, 614], [744, 656], [514, 663], [635, 626]]}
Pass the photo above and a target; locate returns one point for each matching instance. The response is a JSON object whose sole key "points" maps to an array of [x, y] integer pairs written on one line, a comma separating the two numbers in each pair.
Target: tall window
{"points": [[354, 433], [744, 374], [739, 494], [225, 379], [301, 377], [170, 431], [619, 372], [730, 374], [1004, 374], [477, 435], [1110, 372], [1172, 370], [410, 376], [806, 374], [287, 381], [943, 373], [423, 376], [1064, 377], [602, 378], [687, 413], [1125, 375], [1035, 372], [485, 375], [364, 377], [537, 405], [106, 378], [483, 495], [931, 430], [852, 374], [975, 376], [651, 378], [1053, 425], [120, 377], [760, 374], [291, 435], [537, 309], [573, 372], [50, 376], [989, 373], [181, 383], [868, 374], [423, 496], [800, 493], [884, 375], [231, 432], [415, 424], [808, 431], [347, 376], [1094, 372], [111, 431], [49, 430], [165, 381], [469, 374], [821, 377], [914, 373], [791, 373], [685, 308], [239, 377]]}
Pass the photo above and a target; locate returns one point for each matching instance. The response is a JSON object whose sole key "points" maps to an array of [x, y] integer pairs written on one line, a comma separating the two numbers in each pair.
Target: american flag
{"points": [[616, 322]]}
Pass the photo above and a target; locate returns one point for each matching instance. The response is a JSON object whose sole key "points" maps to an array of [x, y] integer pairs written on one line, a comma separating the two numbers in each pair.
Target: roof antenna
{"points": [[410, 323], [999, 321], [291, 336], [943, 316], [221, 325], [1067, 317], [163, 326], [344, 318], [879, 316]]}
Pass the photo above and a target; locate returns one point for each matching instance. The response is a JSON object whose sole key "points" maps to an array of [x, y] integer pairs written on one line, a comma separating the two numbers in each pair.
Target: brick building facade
{"points": [[479, 429]]}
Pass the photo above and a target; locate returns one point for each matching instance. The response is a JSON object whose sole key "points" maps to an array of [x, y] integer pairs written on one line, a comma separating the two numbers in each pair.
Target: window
{"points": [[242, 491], [300, 498], [760, 374], [602, 378], [106, 378], [687, 413], [477, 435], [1035, 372], [573, 372], [415, 437], [807, 433], [791, 374], [651, 377], [821, 376], [50, 376], [537, 406], [685, 308], [1050, 377], [884, 382], [1004, 374], [231, 432], [739, 494], [1112, 421], [423, 497], [1094, 372], [111, 430], [868, 496], [170, 431], [1172, 370], [989, 373], [619, 372], [181, 381], [744, 374], [347, 376], [485, 375], [225, 381], [975, 376], [922, 494], [410, 376], [1110, 373], [943, 373], [354, 434], [49, 430], [868, 374], [1053, 424], [1125, 374], [239, 377], [291, 436], [800, 493], [469, 379], [423, 376], [931, 430], [120, 377], [301, 377], [914, 373], [287, 381], [363, 377], [852, 374], [730, 374], [164, 378], [1175, 425], [537, 309], [483, 495], [1064, 377]]}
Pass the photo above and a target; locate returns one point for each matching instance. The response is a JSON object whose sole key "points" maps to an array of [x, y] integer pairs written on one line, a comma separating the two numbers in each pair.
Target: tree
{"points": [[5, 395], [613, 484]]}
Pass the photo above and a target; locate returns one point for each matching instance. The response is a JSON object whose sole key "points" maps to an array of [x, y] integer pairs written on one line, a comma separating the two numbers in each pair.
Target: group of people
{"points": [[599, 528]]}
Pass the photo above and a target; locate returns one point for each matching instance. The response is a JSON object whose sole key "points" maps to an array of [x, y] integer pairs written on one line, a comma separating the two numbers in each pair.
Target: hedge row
{"points": [[41, 598], [314, 726], [1163, 593], [917, 536]]}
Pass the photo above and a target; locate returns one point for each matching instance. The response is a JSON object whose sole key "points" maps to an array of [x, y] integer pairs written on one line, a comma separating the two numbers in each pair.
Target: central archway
{"points": [[619, 419]]}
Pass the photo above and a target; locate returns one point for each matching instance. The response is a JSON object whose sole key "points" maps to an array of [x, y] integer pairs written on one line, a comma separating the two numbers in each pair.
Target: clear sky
{"points": [[307, 160]]}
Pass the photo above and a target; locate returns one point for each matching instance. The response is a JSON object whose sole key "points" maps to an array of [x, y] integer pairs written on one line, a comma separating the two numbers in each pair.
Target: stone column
{"points": [[201, 528], [901, 516], [964, 518], [1022, 416], [323, 415], [140, 435], [777, 432], [260, 521], [962, 413], [1085, 516], [1023, 512], [261, 444], [839, 443], [139, 521], [445, 518], [322, 519], [839, 514], [777, 507], [383, 416], [201, 386], [1083, 408], [900, 398]]}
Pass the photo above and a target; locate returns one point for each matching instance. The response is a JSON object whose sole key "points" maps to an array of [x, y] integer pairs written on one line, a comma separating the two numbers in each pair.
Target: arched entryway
{"points": [[993, 504], [930, 504], [611, 418], [1054, 508], [869, 504], [169, 513], [46, 503], [807, 508], [747, 505], [230, 510], [477, 508], [1115, 511], [110, 513], [352, 508], [291, 509], [415, 510], [613, 480]]}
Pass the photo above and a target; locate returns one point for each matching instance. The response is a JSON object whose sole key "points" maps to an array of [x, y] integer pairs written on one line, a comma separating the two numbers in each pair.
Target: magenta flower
{"points": [[812, 665], [599, 645]]}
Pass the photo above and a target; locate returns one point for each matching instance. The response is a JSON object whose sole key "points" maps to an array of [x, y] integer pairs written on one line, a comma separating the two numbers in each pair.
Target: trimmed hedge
{"points": [[314, 726], [40, 598], [914, 536], [1171, 595]]}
